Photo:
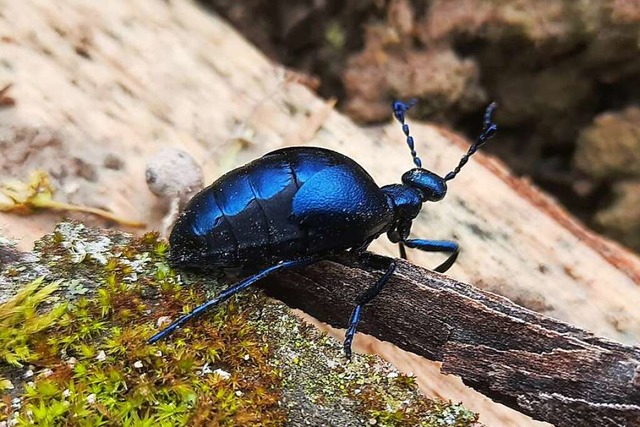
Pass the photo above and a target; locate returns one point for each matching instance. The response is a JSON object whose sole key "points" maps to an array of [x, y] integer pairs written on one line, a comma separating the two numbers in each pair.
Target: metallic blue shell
{"points": [[289, 203]]}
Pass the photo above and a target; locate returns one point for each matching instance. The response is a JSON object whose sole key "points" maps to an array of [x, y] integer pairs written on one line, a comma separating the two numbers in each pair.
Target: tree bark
{"points": [[540, 366]]}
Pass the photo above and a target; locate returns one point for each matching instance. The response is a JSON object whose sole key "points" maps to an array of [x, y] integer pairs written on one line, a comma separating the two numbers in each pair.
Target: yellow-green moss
{"points": [[90, 364], [73, 347]]}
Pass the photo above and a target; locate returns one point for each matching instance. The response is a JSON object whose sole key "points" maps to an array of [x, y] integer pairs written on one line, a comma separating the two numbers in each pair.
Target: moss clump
{"points": [[19, 321], [89, 364]]}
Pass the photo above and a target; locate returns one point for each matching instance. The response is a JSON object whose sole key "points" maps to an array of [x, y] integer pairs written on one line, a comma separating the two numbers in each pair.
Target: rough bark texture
{"points": [[547, 369]]}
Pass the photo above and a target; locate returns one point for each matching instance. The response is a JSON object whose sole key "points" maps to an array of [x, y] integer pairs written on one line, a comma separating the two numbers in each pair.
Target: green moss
{"points": [[19, 321], [83, 359], [93, 367]]}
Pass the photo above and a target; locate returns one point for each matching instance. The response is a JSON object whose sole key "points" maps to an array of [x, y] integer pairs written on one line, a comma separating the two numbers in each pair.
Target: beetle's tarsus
{"points": [[347, 350]]}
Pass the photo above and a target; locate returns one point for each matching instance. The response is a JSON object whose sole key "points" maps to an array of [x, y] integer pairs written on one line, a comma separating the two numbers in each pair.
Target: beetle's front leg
{"points": [[436, 246], [399, 234], [403, 251]]}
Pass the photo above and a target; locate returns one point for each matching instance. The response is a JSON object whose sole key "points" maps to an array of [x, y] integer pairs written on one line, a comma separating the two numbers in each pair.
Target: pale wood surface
{"points": [[127, 78]]}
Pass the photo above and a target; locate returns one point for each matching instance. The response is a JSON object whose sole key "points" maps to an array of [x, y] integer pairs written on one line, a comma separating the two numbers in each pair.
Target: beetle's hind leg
{"points": [[436, 246], [228, 293], [364, 298]]}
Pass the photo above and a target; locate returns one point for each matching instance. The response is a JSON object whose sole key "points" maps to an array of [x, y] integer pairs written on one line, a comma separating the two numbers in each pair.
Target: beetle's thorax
{"points": [[406, 200]]}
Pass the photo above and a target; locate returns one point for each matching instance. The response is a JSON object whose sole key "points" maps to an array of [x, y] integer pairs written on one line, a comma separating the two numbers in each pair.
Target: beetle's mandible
{"points": [[296, 206]]}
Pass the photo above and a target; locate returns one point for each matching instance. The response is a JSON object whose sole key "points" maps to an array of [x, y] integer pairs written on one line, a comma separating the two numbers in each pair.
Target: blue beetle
{"points": [[296, 206]]}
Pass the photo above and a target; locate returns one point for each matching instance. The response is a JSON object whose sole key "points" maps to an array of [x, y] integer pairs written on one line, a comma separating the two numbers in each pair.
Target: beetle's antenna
{"points": [[399, 108], [489, 129]]}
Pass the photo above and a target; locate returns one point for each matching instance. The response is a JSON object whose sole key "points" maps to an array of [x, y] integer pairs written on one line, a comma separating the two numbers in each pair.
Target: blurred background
{"points": [[566, 75]]}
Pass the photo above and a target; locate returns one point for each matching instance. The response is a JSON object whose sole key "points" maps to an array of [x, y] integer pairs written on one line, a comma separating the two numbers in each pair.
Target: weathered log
{"points": [[540, 366]]}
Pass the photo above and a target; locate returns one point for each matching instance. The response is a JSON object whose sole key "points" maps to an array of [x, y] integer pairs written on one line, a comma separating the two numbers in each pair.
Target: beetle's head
{"points": [[432, 187]]}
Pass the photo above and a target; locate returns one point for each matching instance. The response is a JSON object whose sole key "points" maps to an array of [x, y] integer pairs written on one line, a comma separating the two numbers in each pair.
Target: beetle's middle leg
{"points": [[364, 298], [436, 246], [229, 292]]}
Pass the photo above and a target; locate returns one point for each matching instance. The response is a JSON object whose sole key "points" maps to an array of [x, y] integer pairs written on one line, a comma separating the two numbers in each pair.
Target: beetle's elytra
{"points": [[299, 205], [288, 204]]}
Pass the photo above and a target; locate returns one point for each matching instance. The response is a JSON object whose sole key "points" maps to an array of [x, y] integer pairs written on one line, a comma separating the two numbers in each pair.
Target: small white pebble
{"points": [[66, 393], [372, 421], [102, 356], [163, 320], [28, 373], [16, 403], [392, 375], [47, 373], [71, 362], [223, 374], [138, 364], [246, 357], [158, 353], [3, 424], [206, 369], [91, 399], [173, 172], [239, 393]]}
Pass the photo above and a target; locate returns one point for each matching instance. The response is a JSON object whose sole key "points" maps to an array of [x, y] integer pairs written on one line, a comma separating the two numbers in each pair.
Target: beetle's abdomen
{"points": [[289, 203]]}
